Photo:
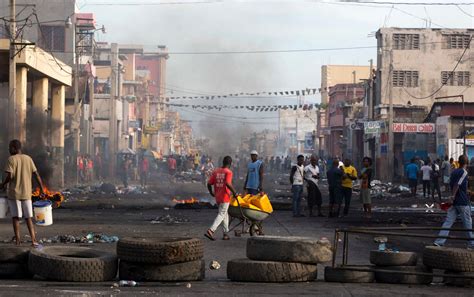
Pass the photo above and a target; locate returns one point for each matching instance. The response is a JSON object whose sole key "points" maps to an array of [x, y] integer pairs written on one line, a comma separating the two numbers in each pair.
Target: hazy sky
{"points": [[230, 25]]}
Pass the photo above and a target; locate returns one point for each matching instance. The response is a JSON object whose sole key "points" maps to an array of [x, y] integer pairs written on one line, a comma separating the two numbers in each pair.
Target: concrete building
{"points": [[39, 107], [332, 75], [297, 131], [414, 66]]}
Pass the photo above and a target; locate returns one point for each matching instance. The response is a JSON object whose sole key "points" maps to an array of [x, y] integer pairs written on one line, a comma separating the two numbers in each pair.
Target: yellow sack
{"points": [[262, 202]]}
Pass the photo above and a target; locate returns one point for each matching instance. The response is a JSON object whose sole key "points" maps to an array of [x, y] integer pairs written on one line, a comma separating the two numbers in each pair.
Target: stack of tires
{"points": [[399, 262], [14, 262], [280, 259], [454, 261], [73, 264], [161, 259]]}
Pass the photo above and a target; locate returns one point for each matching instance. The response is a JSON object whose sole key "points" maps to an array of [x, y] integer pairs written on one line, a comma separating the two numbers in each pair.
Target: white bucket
{"points": [[3, 208], [43, 213]]}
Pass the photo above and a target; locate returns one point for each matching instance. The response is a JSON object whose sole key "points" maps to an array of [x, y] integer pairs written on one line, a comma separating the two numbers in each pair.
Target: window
{"points": [[458, 78], [406, 41], [53, 38], [405, 78], [457, 40]]}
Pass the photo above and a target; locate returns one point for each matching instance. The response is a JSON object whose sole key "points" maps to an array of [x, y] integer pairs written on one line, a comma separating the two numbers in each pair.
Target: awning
{"points": [[127, 151]]}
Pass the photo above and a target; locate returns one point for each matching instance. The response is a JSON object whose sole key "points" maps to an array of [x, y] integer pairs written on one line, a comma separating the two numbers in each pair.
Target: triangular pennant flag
{"points": [[297, 93]]}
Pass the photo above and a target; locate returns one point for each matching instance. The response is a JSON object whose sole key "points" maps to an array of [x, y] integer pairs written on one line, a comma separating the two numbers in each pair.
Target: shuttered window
{"points": [[405, 78], [406, 41]]}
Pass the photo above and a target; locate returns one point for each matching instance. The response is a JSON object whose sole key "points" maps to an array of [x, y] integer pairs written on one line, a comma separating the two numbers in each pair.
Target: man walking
{"points": [[350, 174], [254, 179], [461, 205], [435, 175], [446, 172], [314, 194], [412, 175], [221, 179], [19, 170], [334, 176], [297, 180], [426, 177]]}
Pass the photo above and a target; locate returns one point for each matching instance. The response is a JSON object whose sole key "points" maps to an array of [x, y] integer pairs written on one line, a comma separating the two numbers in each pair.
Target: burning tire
{"points": [[396, 277], [14, 254], [454, 259], [187, 271], [245, 270], [346, 275], [76, 264], [459, 282], [14, 271], [162, 251], [289, 249], [382, 258]]}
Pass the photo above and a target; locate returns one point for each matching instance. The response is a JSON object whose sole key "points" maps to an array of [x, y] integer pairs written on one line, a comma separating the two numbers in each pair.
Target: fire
{"points": [[186, 201], [55, 197]]}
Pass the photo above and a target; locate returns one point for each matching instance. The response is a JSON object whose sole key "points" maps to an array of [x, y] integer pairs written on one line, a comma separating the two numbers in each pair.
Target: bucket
{"points": [[3, 207], [43, 213]]}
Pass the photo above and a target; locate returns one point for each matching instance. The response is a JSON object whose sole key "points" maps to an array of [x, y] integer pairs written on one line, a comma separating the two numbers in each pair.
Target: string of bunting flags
{"points": [[256, 108], [305, 92]]}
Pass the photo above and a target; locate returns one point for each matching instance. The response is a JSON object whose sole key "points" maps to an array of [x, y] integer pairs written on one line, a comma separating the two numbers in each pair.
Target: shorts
{"points": [[413, 183], [20, 208], [365, 196]]}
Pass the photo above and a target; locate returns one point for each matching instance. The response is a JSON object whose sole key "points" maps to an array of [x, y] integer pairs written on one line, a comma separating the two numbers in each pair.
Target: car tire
{"points": [[186, 271], [162, 251], [346, 275], [14, 254], [398, 278], [245, 270], [289, 249], [453, 259], [383, 258], [75, 264]]}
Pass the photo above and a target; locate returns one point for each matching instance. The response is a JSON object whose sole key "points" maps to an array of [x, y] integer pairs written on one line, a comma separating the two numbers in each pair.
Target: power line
{"points": [[407, 3], [465, 12]]}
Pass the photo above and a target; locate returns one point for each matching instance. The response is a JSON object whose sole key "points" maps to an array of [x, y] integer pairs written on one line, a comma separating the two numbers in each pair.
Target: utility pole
{"points": [[370, 97], [114, 74], [390, 121], [12, 118]]}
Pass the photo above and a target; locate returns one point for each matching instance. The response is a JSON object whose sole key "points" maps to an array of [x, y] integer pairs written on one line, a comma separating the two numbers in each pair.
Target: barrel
{"points": [[43, 213]]}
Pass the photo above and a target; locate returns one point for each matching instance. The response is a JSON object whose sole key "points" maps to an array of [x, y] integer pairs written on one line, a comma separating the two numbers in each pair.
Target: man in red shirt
{"points": [[221, 179]]}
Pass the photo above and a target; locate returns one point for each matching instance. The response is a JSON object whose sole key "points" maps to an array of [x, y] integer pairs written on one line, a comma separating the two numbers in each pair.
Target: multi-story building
{"points": [[297, 131], [414, 67]]}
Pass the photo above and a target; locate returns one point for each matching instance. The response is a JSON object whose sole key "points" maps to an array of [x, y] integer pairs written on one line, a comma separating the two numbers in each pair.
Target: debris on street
{"points": [[214, 265], [89, 238], [168, 219]]}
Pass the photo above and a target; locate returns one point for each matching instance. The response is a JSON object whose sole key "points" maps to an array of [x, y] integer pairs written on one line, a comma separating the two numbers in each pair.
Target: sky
{"points": [[259, 25]]}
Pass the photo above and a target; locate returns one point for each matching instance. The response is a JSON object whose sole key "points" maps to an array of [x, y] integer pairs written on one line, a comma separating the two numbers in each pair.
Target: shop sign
{"points": [[372, 127], [151, 130], [413, 128]]}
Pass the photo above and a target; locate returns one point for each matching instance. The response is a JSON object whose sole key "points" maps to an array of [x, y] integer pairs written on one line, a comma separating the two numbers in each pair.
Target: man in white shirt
{"points": [[297, 181], [426, 177], [311, 175]]}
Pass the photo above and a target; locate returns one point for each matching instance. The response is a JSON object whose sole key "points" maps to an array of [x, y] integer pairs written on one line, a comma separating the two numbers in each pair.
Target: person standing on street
{"points": [[334, 176], [254, 179], [19, 171], [446, 172], [221, 179], [144, 168], [350, 174], [297, 181], [412, 175], [461, 204], [435, 176], [426, 177], [311, 173], [365, 179]]}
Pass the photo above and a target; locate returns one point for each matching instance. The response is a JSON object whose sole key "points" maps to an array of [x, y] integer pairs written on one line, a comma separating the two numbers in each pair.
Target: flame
{"points": [[55, 197], [186, 201]]}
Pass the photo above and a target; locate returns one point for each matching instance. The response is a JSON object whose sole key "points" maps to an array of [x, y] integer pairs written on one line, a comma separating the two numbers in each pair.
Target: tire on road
{"points": [[162, 251], [345, 275], [14, 271], [187, 271], [289, 249], [453, 259], [75, 264], [396, 278], [459, 282], [245, 270], [15, 254], [382, 258]]}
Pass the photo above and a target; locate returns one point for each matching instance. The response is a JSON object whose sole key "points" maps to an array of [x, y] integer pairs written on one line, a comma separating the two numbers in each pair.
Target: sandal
{"points": [[209, 234], [226, 237]]}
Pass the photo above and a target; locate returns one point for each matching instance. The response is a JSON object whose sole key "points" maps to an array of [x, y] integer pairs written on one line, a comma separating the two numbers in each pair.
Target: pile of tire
{"points": [[391, 267], [454, 261], [161, 259], [14, 262], [280, 259], [73, 264]]}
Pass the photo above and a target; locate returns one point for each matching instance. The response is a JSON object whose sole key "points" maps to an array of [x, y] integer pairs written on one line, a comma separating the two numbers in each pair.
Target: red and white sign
{"points": [[413, 128]]}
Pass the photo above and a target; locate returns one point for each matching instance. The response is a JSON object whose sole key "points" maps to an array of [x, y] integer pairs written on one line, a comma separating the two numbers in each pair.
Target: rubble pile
{"points": [[89, 238], [168, 219]]}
